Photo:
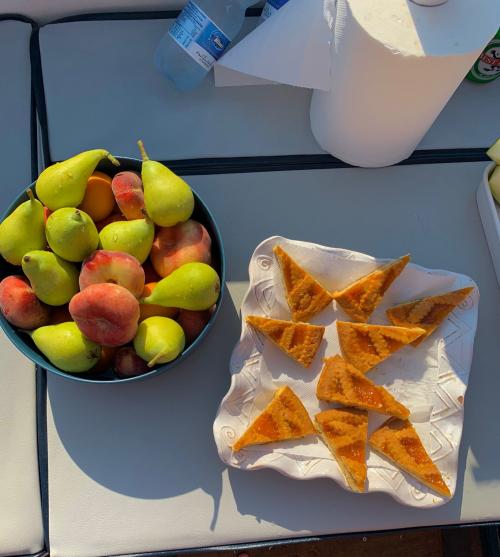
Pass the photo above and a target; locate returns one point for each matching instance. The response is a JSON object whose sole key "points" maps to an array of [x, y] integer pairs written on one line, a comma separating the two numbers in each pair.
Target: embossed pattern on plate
{"points": [[431, 379]]}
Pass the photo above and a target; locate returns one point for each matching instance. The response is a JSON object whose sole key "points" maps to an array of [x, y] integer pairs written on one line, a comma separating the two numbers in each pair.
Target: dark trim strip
{"points": [[43, 459], [18, 17], [39, 94], [33, 136], [269, 544], [238, 165]]}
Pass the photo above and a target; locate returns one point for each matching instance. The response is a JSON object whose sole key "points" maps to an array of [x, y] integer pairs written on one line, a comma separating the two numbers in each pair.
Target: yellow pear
{"points": [[168, 198], [64, 183], [22, 231]]}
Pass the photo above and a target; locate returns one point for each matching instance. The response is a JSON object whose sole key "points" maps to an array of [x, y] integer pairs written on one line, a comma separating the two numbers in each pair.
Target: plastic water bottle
{"points": [[271, 7], [198, 38]]}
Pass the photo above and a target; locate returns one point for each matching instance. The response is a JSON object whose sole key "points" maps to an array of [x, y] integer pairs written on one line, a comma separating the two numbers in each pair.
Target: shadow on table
{"points": [[482, 410], [152, 439], [320, 506]]}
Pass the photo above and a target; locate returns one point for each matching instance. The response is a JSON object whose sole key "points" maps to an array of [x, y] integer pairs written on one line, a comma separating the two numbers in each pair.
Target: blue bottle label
{"points": [[271, 7], [198, 35]]}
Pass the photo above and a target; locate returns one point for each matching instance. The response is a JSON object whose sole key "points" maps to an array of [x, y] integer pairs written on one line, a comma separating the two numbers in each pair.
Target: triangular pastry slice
{"points": [[360, 298], [398, 441], [341, 382], [427, 313], [345, 432], [283, 418], [300, 341], [304, 294], [365, 346]]}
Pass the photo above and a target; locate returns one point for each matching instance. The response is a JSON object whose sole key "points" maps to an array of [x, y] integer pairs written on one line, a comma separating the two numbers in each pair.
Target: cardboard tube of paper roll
{"points": [[394, 66]]}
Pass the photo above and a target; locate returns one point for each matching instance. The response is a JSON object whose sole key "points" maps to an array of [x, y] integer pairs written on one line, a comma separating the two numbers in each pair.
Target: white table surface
{"points": [[133, 468], [20, 511], [128, 99]]}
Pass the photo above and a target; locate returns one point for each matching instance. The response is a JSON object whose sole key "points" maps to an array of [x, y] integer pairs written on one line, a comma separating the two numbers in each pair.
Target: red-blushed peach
{"points": [[116, 267], [193, 322], [114, 217], [106, 313], [174, 246], [128, 364], [19, 304], [60, 314], [129, 195], [152, 310], [105, 360], [150, 275]]}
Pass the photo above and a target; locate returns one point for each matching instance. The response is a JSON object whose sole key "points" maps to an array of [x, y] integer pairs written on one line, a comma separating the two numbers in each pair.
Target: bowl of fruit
{"points": [[111, 269]]}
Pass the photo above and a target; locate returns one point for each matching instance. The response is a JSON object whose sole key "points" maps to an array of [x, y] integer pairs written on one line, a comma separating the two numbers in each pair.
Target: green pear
{"points": [[167, 197], [193, 286], [63, 184], [159, 340], [65, 347], [23, 230], [134, 237], [54, 280], [495, 184], [71, 234], [494, 151]]}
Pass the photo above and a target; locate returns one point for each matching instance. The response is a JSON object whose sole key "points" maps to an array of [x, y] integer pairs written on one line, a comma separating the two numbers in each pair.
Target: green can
{"points": [[487, 67]]}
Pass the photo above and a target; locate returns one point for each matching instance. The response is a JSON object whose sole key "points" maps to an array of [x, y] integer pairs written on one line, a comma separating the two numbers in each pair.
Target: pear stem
{"points": [[30, 195], [152, 362], [115, 161], [144, 155]]}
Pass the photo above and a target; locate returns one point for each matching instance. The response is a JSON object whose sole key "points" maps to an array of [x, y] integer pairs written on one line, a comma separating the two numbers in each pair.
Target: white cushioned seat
{"points": [[21, 529], [133, 468], [102, 72]]}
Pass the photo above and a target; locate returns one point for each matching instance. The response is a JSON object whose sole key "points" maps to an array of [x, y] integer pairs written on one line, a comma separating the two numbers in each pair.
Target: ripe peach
{"points": [[106, 313], [128, 364], [193, 322], [114, 217], [174, 246], [151, 310], [99, 200], [19, 304], [129, 195], [116, 267], [60, 314]]}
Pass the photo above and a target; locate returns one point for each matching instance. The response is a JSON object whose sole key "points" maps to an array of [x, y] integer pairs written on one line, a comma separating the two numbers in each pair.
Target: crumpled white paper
{"points": [[430, 380]]}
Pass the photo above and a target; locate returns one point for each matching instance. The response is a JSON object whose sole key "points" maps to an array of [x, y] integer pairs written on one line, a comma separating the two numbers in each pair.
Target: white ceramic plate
{"points": [[430, 380]]}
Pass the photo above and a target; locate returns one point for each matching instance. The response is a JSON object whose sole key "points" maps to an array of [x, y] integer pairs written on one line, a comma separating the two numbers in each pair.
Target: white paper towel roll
{"points": [[394, 66]]}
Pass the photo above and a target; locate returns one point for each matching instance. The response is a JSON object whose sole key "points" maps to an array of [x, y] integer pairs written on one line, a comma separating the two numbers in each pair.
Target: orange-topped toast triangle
{"points": [[341, 382], [283, 418], [360, 298], [300, 341], [365, 346], [345, 432], [304, 294], [427, 313], [398, 441]]}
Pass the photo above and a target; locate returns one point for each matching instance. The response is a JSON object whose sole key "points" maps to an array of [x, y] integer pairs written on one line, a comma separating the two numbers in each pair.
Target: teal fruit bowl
{"points": [[23, 342]]}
